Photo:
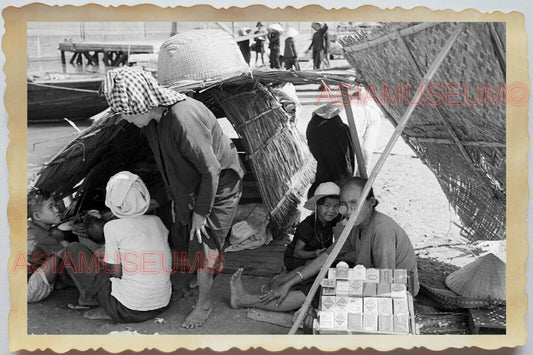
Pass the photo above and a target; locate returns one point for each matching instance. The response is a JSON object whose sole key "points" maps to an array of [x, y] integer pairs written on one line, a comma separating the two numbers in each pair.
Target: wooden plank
{"points": [[132, 47]]}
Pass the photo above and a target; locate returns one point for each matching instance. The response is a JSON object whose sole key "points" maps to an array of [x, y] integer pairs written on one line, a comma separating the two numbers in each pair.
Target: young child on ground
{"points": [[315, 233], [135, 284], [46, 245]]}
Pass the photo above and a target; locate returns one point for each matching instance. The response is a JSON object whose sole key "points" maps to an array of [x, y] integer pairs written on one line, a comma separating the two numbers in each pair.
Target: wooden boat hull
{"points": [[72, 98]]}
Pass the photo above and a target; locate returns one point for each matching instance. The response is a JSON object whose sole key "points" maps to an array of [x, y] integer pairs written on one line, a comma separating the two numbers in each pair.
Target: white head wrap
{"points": [[127, 195]]}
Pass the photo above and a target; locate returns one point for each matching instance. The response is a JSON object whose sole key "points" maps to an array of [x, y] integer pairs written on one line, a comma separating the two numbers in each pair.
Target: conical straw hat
{"points": [[483, 278]]}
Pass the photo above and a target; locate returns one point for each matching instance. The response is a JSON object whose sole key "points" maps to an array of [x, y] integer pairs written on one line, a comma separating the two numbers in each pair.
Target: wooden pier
{"points": [[113, 53]]}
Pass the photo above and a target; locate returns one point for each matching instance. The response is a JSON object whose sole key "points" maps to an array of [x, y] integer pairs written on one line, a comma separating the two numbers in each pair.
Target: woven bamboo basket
{"points": [[464, 144], [280, 157], [199, 55]]}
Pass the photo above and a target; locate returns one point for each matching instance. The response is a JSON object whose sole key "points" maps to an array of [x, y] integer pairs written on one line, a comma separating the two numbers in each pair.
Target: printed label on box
{"points": [[400, 306], [328, 291], [401, 323], [327, 303], [398, 290], [385, 275], [355, 305], [341, 320], [328, 283], [355, 288], [400, 276], [369, 289], [331, 273], [359, 272], [355, 322], [372, 275], [342, 302], [343, 286], [384, 306], [383, 290], [370, 305], [326, 320], [370, 322], [341, 273], [385, 323]]}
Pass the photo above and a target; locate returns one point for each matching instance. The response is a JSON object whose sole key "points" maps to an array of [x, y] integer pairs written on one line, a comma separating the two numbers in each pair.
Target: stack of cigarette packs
{"points": [[360, 300]]}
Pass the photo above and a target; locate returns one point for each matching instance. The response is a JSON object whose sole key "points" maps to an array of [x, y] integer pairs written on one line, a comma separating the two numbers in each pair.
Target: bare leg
{"points": [[280, 279], [241, 298], [204, 306]]}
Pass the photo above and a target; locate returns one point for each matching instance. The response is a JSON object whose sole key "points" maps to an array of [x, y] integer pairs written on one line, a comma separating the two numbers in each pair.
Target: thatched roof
{"points": [[463, 144]]}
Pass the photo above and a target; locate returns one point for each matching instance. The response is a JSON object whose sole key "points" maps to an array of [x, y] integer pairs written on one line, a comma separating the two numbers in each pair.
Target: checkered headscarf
{"points": [[133, 91]]}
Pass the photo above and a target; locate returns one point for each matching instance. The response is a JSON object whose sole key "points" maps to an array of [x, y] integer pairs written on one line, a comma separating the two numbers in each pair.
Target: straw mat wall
{"points": [[461, 137]]}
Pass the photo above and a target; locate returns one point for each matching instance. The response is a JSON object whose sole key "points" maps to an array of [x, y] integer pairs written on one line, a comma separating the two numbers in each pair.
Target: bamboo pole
{"points": [[397, 132], [353, 132]]}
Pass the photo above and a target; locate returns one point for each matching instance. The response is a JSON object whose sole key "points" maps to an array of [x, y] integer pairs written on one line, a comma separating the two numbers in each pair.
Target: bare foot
{"points": [[237, 289], [197, 317], [97, 313]]}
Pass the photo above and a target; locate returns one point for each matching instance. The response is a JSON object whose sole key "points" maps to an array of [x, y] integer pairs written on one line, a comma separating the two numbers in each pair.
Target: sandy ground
{"points": [[406, 188]]}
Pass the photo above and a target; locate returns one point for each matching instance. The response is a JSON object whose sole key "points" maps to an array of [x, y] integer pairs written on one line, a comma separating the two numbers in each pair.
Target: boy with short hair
{"points": [[46, 245]]}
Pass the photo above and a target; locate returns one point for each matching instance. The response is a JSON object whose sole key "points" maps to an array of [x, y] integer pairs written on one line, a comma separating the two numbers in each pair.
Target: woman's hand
{"points": [[278, 293], [198, 227], [318, 252]]}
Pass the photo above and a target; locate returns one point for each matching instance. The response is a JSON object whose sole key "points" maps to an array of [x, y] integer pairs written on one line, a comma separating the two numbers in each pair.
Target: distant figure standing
{"points": [[319, 44], [290, 56], [274, 34], [330, 143], [259, 47], [245, 45]]}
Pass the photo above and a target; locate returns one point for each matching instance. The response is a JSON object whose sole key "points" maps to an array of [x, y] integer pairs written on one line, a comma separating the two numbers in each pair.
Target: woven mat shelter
{"points": [[463, 144]]}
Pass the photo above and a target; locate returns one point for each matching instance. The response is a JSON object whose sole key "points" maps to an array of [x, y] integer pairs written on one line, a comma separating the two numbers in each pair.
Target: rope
{"points": [[64, 88]]}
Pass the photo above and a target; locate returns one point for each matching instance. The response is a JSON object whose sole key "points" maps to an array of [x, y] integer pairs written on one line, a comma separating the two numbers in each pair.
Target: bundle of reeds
{"points": [[463, 144], [280, 157]]}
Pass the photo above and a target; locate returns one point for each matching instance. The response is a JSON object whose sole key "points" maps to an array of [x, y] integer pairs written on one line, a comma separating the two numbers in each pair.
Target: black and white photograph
{"points": [[294, 177]]}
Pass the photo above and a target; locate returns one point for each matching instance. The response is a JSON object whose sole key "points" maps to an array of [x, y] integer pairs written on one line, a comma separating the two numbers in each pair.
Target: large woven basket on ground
{"points": [[199, 55], [463, 144]]}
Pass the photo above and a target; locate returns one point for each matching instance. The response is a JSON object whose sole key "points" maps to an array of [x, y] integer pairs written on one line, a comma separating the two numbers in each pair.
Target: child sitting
{"points": [[135, 283], [315, 233], [46, 245]]}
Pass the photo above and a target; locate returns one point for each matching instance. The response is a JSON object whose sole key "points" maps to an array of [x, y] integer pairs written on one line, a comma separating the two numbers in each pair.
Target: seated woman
{"points": [[134, 283], [313, 236]]}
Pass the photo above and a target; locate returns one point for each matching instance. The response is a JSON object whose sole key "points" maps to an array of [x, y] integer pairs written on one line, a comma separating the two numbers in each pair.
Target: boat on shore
{"points": [[55, 96]]}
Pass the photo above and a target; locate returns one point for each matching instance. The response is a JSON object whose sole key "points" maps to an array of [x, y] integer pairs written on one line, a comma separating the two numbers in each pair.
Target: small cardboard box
{"points": [[343, 286], [398, 290], [355, 322], [341, 273], [342, 302], [355, 288], [328, 283], [385, 323], [359, 273], [385, 275], [327, 303], [372, 275], [384, 306], [370, 322], [369, 289], [332, 273], [383, 290], [326, 320], [401, 323], [355, 305], [370, 305], [340, 321], [329, 291], [400, 276], [400, 306]]}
